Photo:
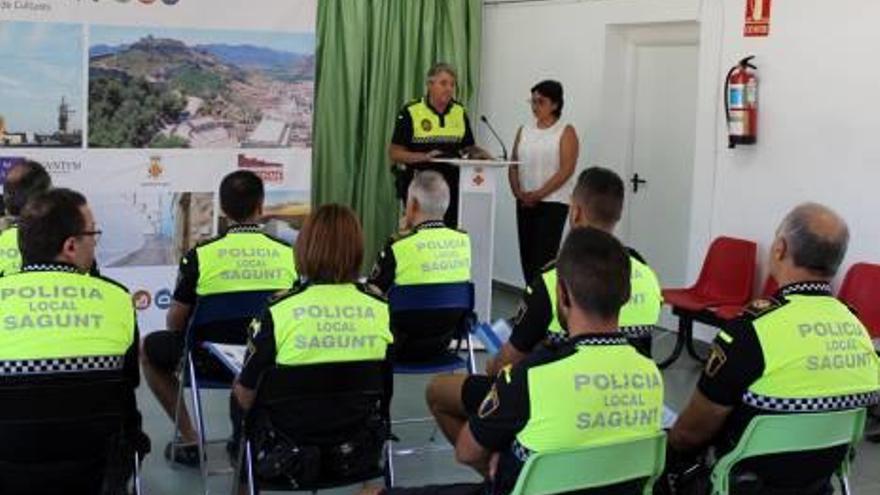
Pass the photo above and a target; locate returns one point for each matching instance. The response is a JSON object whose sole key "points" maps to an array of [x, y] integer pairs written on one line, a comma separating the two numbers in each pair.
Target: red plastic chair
{"points": [[731, 311], [861, 291], [726, 278]]}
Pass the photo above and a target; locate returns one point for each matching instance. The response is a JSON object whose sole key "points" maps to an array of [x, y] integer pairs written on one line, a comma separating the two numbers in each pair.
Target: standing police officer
{"points": [[23, 181], [560, 397], [430, 253], [799, 351], [435, 126], [60, 323], [597, 202], [241, 260]]}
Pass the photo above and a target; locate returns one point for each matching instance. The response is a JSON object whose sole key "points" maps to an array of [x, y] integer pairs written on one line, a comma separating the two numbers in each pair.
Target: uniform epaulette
{"points": [[762, 306], [372, 291], [279, 296], [551, 265], [401, 235], [412, 102], [276, 239], [205, 242], [109, 281]]}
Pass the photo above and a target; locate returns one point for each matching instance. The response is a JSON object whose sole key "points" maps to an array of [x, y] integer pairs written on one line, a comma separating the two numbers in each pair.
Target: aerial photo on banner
{"points": [[41, 85], [183, 88]]}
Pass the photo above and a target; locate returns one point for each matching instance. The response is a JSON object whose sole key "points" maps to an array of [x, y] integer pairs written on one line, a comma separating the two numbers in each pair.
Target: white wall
{"points": [[819, 129], [526, 42]]}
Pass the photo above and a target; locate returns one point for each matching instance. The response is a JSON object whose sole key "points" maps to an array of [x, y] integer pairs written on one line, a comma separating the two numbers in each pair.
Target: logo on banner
{"points": [[155, 170], [141, 300], [6, 163], [271, 172], [163, 299]]}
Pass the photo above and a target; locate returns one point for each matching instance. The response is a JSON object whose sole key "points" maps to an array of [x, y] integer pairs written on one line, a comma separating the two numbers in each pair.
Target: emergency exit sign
{"points": [[757, 18]]}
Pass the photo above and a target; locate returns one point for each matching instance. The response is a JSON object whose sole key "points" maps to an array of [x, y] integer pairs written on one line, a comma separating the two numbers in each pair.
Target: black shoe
{"points": [[185, 454]]}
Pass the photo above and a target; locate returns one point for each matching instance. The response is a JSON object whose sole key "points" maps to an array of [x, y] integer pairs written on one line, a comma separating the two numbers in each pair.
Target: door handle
{"points": [[636, 181]]}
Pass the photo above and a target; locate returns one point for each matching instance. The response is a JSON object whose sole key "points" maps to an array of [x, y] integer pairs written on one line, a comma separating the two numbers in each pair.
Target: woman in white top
{"points": [[548, 152]]}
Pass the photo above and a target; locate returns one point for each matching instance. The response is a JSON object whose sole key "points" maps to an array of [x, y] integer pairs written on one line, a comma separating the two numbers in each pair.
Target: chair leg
{"points": [[249, 459], [844, 484], [180, 402], [472, 360], [137, 475], [389, 464], [683, 323], [692, 350], [200, 424]]}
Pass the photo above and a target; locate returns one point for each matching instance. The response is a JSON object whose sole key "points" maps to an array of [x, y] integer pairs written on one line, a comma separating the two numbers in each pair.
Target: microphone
{"points": [[497, 137]]}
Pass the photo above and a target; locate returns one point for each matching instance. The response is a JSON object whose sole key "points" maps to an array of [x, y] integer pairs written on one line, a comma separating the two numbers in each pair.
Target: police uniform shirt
{"points": [[263, 351], [737, 361], [189, 277], [67, 312], [386, 269], [536, 312], [403, 132], [505, 413]]}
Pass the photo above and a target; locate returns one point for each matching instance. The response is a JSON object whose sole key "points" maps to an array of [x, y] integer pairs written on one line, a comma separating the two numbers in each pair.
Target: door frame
{"points": [[617, 135]]}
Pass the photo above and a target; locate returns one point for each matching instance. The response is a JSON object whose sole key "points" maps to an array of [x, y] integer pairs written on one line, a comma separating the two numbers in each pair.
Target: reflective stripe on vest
{"points": [[643, 307], [427, 128], [600, 393], [432, 256], [330, 324], [10, 257], [244, 261], [814, 348], [52, 314]]}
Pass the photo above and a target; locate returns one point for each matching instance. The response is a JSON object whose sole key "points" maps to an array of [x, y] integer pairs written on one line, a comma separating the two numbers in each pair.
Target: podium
{"points": [[478, 183]]}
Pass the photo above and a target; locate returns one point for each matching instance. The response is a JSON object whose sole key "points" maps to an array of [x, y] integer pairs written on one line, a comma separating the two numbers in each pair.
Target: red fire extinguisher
{"points": [[741, 103]]}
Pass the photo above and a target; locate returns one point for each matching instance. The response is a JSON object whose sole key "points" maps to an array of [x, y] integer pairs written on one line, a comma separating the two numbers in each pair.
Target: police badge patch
{"points": [[716, 360], [426, 125], [490, 403]]}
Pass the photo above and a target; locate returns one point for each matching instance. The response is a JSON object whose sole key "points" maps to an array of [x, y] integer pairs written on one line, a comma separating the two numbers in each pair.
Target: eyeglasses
{"points": [[536, 102], [93, 233]]}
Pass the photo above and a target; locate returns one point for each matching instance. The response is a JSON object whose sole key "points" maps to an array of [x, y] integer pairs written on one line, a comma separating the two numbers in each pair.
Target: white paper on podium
{"points": [[231, 355]]}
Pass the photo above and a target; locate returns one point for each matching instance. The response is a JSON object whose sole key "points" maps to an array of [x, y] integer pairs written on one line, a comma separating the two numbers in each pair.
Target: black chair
{"points": [[221, 318], [347, 437], [67, 434]]}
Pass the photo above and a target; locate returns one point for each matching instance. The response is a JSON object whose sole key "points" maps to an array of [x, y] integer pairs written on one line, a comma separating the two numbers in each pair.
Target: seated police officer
{"points": [[799, 351], [327, 318], [63, 327], [597, 202], [558, 397], [23, 181], [243, 259], [429, 253]]}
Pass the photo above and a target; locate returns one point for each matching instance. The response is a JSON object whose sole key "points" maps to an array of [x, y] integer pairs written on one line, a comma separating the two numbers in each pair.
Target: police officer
{"points": [[23, 181], [560, 396], [429, 253], [597, 202], [60, 323], [799, 351], [435, 126], [328, 317], [241, 260]]}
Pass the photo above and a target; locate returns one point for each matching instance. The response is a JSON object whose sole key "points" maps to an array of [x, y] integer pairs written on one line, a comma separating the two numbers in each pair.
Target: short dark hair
{"points": [[16, 192], [47, 221], [330, 246], [241, 194], [552, 90], [595, 268], [600, 191]]}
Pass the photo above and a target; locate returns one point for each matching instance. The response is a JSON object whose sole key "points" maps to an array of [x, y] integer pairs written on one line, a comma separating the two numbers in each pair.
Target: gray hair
{"points": [[430, 189], [439, 68], [817, 238]]}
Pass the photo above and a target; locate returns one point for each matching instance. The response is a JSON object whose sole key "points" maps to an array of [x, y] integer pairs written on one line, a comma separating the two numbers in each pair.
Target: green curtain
{"points": [[372, 57]]}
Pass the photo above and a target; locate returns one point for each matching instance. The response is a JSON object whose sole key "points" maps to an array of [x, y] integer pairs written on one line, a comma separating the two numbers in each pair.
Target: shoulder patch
{"points": [[762, 306], [637, 255], [279, 296], [371, 291], [490, 403]]}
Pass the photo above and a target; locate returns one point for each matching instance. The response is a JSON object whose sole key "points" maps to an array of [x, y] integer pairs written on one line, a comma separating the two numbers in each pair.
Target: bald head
{"points": [[816, 238]]}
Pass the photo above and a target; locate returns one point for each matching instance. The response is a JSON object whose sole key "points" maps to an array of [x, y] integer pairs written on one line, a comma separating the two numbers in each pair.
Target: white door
{"points": [[662, 157]]}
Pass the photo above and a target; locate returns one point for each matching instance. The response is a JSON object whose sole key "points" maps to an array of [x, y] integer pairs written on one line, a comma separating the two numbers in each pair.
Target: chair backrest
{"points": [[777, 434], [770, 287], [596, 466], [728, 272], [348, 393], [459, 295], [861, 291], [235, 308]]}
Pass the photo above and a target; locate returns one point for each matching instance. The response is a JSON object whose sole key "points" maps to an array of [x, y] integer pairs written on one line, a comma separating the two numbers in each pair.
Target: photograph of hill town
{"points": [[41, 85], [169, 88], [284, 212]]}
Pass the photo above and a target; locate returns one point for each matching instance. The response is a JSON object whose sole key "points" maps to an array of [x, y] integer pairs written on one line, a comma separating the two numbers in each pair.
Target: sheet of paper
{"points": [[232, 356]]}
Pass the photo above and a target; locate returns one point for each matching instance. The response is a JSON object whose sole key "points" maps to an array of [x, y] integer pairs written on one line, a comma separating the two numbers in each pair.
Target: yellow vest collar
{"points": [[56, 266], [814, 288]]}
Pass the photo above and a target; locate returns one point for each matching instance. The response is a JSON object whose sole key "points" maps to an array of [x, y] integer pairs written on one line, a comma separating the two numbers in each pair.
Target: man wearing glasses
{"points": [[58, 323]]}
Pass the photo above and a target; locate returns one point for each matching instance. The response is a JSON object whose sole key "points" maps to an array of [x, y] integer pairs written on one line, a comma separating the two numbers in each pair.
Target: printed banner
{"points": [[144, 105]]}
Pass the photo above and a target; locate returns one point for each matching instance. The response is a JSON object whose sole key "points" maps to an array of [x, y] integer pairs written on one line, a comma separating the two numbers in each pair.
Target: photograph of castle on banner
{"points": [[41, 85], [183, 88], [150, 227]]}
